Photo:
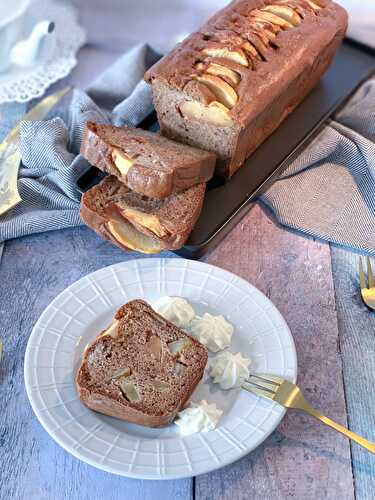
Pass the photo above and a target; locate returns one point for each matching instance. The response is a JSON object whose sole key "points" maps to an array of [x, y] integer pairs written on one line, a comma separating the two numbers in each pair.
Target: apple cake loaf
{"points": [[135, 222], [227, 87], [147, 163], [142, 369]]}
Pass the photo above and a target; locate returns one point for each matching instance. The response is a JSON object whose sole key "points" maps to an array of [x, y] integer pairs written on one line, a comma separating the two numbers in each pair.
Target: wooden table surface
{"points": [[313, 285]]}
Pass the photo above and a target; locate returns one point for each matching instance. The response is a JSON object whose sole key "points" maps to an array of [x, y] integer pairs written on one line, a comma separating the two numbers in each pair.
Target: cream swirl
{"points": [[175, 309], [213, 331], [198, 417], [229, 370]]}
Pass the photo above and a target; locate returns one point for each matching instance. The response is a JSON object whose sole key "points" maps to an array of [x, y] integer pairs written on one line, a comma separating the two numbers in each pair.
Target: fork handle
{"points": [[340, 428]]}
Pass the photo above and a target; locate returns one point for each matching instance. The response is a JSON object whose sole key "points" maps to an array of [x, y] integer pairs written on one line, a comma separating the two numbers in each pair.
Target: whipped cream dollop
{"points": [[175, 309], [229, 370], [213, 331], [198, 417]]}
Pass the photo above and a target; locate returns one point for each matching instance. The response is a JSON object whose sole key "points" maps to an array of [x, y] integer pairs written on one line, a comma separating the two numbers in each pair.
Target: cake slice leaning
{"points": [[134, 222], [146, 162], [142, 369]]}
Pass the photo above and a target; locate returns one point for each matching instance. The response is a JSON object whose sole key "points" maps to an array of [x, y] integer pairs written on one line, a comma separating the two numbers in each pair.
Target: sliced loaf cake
{"points": [[134, 222], [147, 163], [142, 369], [228, 86]]}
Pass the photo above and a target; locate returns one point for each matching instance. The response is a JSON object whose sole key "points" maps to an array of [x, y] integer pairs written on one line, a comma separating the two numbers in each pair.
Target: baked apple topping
{"points": [[219, 70], [251, 51], [214, 113], [260, 15], [299, 6], [264, 25], [155, 347], [129, 390], [177, 346], [222, 90], [127, 235], [313, 5], [120, 373], [122, 161], [284, 12], [236, 54]]}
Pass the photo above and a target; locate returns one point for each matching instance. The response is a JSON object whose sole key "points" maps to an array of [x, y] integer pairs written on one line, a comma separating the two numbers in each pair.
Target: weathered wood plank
{"points": [[33, 271], [357, 346], [303, 458]]}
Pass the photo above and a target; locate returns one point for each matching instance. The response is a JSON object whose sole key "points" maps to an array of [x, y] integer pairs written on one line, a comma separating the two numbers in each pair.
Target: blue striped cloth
{"points": [[51, 163], [328, 192]]}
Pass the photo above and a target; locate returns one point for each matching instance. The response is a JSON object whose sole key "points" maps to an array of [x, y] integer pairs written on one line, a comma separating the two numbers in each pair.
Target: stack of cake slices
{"points": [[154, 193]]}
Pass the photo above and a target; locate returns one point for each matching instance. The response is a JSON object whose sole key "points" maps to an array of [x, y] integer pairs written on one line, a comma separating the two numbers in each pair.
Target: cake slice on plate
{"points": [[142, 369]]}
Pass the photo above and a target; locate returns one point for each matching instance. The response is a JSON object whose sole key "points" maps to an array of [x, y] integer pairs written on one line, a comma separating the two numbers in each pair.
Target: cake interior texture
{"points": [[146, 162], [111, 208], [142, 369]]}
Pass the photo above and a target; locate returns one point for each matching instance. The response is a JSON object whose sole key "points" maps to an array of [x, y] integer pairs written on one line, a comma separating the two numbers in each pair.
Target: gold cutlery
{"points": [[367, 292], [290, 396], [10, 156]]}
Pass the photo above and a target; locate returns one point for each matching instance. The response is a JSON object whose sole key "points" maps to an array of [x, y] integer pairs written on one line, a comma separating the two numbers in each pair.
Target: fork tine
{"points": [[270, 379], [370, 276], [258, 392], [362, 279], [261, 385]]}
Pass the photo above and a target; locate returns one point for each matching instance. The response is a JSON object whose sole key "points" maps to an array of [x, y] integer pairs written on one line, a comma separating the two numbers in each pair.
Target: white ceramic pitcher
{"points": [[14, 50]]}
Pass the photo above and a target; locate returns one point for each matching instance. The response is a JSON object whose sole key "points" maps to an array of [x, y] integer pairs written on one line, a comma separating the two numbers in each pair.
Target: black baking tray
{"points": [[226, 203]]}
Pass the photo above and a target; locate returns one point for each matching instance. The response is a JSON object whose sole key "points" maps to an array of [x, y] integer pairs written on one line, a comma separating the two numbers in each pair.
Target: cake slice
{"points": [[147, 163], [142, 369], [134, 222]]}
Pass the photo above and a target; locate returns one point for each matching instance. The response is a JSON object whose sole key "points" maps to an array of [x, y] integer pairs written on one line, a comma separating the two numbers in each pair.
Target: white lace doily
{"points": [[24, 84]]}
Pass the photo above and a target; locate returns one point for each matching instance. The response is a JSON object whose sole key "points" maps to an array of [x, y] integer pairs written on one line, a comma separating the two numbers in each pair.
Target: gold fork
{"points": [[367, 292], [290, 396]]}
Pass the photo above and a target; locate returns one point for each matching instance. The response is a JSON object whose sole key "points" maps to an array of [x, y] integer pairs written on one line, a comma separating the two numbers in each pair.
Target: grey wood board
{"points": [[303, 458], [357, 347], [33, 271]]}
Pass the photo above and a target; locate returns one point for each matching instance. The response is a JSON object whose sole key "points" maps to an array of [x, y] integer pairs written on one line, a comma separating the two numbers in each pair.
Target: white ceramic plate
{"points": [[76, 316]]}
